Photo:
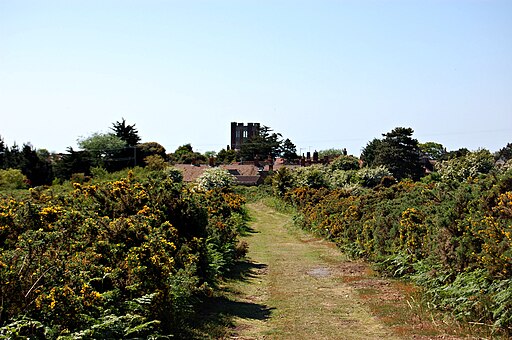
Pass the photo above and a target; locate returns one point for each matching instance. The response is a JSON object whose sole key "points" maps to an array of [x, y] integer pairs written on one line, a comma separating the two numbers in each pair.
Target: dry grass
{"points": [[296, 286], [302, 287]]}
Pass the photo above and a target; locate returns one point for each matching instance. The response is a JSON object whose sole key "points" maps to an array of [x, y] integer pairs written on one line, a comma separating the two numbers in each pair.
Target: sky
{"points": [[325, 74]]}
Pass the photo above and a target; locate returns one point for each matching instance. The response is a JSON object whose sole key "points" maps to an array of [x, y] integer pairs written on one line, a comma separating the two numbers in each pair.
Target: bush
{"points": [[311, 177], [345, 163], [215, 178], [120, 259], [155, 162], [371, 177], [467, 166], [341, 178], [282, 181], [174, 174], [452, 235], [11, 179]]}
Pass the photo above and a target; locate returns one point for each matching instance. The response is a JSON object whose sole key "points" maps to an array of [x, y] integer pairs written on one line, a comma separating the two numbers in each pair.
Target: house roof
{"points": [[245, 174], [249, 180], [243, 169], [276, 167], [191, 172]]}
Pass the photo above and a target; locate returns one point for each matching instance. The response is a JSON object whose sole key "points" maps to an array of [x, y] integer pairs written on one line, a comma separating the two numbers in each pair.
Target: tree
{"points": [[504, 154], [400, 153], [155, 162], [264, 143], [3, 149], [370, 151], [37, 169], [12, 179], [227, 156], [288, 150], [103, 147], [345, 163], [332, 153], [209, 154], [185, 154], [127, 133], [432, 150], [314, 177], [147, 149], [12, 157], [455, 154], [73, 162]]}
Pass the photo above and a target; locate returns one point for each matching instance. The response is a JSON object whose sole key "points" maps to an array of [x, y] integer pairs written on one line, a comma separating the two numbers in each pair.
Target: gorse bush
{"points": [[450, 233], [120, 259]]}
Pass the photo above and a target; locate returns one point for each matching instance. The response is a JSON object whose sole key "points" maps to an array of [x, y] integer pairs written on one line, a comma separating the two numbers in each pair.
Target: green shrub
{"points": [[344, 163], [215, 178], [311, 177], [282, 181], [12, 179], [467, 166], [119, 259], [452, 235]]}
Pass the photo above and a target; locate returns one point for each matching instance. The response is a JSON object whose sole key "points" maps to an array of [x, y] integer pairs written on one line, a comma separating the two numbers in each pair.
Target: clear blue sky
{"points": [[323, 73]]}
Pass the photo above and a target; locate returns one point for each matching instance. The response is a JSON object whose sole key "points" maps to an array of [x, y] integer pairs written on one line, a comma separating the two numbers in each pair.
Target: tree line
{"points": [[121, 148]]}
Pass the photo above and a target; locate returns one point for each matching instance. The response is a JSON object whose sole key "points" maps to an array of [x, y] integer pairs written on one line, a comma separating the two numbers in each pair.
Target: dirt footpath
{"points": [[302, 283], [296, 286]]}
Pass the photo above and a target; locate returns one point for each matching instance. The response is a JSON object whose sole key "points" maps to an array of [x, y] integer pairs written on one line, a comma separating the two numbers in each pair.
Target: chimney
{"points": [[256, 161], [315, 157]]}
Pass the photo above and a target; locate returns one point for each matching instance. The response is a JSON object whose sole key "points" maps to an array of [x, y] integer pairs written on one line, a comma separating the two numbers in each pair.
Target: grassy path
{"points": [[296, 286], [299, 284]]}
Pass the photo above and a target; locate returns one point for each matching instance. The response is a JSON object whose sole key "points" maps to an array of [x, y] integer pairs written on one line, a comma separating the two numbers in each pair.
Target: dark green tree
{"points": [[127, 133], [369, 153], [288, 150], [504, 154], [400, 153], [3, 149], [227, 156], [73, 162], [37, 169], [455, 154], [265, 143], [150, 149], [185, 154]]}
